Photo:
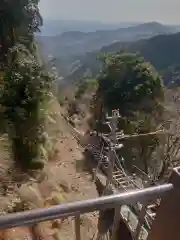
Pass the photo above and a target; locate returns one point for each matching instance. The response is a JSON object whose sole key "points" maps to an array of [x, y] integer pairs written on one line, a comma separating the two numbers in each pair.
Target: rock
{"points": [[31, 195], [51, 120], [57, 236], [75, 188], [44, 152], [49, 186], [56, 198], [65, 186], [43, 231], [57, 224]]}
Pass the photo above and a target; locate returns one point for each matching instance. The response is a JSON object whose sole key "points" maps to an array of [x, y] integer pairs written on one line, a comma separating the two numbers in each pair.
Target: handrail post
{"points": [[166, 224], [116, 221], [77, 222], [141, 221]]}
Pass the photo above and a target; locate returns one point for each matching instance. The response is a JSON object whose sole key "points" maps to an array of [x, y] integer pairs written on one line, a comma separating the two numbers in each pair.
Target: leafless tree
{"points": [[167, 154]]}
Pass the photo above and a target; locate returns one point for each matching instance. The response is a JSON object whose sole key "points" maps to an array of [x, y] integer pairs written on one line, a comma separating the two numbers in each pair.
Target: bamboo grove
{"points": [[25, 86]]}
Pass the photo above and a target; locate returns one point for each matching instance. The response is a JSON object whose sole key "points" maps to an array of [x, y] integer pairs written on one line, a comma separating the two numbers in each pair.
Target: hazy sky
{"points": [[167, 11]]}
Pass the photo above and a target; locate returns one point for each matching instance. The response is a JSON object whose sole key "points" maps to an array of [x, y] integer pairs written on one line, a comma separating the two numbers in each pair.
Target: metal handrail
{"points": [[80, 207]]}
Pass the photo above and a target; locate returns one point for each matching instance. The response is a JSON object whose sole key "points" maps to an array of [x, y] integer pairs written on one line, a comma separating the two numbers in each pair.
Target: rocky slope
{"points": [[64, 179]]}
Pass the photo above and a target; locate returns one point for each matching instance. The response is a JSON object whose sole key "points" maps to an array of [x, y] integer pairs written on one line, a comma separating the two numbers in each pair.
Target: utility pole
{"points": [[110, 219], [112, 122], [111, 139]]}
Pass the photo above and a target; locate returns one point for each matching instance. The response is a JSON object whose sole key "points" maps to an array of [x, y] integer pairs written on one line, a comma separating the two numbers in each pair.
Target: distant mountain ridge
{"points": [[145, 28], [162, 51], [57, 27], [73, 43]]}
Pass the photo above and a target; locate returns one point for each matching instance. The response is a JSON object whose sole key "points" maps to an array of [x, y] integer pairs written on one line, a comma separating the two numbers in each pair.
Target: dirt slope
{"points": [[64, 179]]}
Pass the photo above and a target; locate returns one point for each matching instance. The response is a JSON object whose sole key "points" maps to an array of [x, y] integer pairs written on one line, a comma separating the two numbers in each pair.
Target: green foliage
{"points": [[36, 164], [81, 88], [162, 51], [16, 10], [139, 150], [73, 108], [26, 86], [129, 83], [19, 21]]}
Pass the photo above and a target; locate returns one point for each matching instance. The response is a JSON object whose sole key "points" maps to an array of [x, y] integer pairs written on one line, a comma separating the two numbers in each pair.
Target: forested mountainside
{"points": [[74, 43], [162, 51]]}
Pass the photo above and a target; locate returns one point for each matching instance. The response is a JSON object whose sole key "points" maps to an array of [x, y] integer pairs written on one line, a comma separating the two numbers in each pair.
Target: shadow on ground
{"points": [[86, 164]]}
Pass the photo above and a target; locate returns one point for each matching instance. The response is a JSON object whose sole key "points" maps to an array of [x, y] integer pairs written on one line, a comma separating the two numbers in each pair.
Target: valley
{"points": [[89, 116], [75, 54]]}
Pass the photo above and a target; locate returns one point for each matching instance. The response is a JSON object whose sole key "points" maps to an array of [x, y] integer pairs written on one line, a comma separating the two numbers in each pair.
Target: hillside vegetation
{"points": [[69, 45], [40, 160], [128, 83], [161, 51]]}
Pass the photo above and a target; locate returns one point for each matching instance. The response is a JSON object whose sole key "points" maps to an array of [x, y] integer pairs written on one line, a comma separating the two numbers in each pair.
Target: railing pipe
{"points": [[80, 207]]}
